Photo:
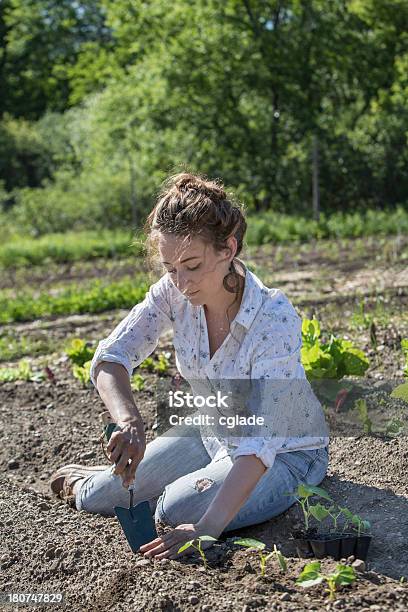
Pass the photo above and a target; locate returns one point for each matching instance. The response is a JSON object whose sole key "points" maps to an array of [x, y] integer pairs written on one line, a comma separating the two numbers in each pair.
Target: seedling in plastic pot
{"points": [[303, 494], [311, 575], [264, 558], [359, 524], [203, 538], [335, 517]]}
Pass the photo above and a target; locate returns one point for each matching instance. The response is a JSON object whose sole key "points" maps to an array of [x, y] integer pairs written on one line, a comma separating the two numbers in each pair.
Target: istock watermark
{"points": [[179, 399], [284, 408]]}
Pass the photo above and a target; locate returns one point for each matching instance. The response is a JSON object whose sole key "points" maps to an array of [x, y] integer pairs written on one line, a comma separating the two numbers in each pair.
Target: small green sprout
{"points": [[203, 538], [311, 575], [335, 512], [361, 406], [259, 546]]}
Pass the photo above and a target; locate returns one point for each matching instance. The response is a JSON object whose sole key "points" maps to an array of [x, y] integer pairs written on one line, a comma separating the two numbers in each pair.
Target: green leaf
{"points": [[319, 512], [310, 575], [401, 392], [308, 490], [186, 545], [344, 574], [355, 362], [281, 559], [251, 543], [207, 538]]}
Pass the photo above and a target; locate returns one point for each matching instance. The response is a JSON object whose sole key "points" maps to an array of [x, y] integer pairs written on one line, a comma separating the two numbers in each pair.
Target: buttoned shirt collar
{"points": [[251, 299]]}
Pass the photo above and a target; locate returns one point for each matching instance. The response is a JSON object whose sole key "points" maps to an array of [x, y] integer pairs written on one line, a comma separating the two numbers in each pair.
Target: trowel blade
{"points": [[137, 524]]}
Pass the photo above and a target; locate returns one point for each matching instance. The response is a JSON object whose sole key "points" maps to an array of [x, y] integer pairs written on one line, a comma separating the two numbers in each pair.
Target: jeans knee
{"points": [[99, 494]]}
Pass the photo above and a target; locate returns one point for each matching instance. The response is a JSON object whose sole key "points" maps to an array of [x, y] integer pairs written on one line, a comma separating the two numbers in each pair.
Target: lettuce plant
{"points": [[79, 351], [333, 359]]}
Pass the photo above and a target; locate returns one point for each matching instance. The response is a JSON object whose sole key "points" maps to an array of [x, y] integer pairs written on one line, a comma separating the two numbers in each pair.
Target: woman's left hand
{"points": [[167, 545]]}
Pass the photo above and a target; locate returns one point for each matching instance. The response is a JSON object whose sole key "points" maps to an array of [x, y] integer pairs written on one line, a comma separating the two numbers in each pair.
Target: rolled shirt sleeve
{"points": [[137, 335], [283, 396]]}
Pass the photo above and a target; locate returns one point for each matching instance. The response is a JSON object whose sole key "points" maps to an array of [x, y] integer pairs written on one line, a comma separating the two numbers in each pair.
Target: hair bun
{"points": [[189, 182]]}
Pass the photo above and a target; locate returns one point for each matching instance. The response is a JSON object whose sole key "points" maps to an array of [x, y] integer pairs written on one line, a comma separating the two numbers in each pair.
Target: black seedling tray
{"points": [[336, 545]]}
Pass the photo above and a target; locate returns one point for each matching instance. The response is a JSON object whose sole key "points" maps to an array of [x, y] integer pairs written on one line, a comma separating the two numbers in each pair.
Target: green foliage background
{"points": [[101, 100]]}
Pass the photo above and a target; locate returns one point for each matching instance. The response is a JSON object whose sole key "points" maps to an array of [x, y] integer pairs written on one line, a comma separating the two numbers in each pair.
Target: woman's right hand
{"points": [[127, 444]]}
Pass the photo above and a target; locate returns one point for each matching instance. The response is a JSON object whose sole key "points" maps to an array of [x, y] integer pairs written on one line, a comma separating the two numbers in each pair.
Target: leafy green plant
{"points": [[147, 364], [362, 409], [159, 365], [311, 575], [79, 351], [23, 371], [138, 382], [264, 558], [303, 494], [333, 359], [82, 372], [203, 538], [162, 364]]}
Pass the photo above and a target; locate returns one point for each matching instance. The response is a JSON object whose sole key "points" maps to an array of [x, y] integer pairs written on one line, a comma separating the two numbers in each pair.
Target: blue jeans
{"points": [[179, 479]]}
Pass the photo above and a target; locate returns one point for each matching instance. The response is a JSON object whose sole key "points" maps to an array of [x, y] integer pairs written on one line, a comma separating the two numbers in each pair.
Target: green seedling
{"points": [[335, 512], [203, 538], [311, 575], [358, 524], [264, 558], [361, 406], [303, 494], [138, 382]]}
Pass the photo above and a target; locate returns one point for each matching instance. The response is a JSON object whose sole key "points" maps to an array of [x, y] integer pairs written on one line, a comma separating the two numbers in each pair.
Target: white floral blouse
{"points": [[264, 344]]}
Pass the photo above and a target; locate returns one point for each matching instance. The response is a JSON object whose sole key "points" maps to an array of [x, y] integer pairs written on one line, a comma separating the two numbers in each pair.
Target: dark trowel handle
{"points": [[137, 524]]}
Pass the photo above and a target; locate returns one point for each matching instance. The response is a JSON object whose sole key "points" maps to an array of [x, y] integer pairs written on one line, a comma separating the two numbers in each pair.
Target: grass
{"points": [[68, 247], [264, 228], [76, 299], [13, 347]]}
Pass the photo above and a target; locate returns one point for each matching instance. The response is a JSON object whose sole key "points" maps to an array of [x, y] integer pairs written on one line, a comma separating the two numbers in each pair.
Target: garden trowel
{"points": [[136, 521]]}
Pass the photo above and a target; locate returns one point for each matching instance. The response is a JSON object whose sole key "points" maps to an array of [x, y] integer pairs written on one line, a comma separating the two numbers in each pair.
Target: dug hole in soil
{"points": [[47, 547]]}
